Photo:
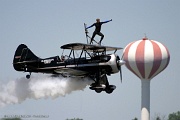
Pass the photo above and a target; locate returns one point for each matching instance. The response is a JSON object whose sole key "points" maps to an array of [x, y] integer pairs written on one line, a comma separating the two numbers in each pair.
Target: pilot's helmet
{"points": [[62, 57]]}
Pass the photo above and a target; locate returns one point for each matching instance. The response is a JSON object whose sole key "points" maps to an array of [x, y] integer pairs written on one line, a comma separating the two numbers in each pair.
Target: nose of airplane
{"points": [[121, 62]]}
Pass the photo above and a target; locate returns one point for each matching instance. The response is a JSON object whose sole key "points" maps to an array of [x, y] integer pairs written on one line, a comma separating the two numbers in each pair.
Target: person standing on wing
{"points": [[98, 29]]}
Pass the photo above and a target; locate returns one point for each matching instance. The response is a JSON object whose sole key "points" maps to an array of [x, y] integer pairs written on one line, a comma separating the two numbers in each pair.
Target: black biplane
{"points": [[94, 62]]}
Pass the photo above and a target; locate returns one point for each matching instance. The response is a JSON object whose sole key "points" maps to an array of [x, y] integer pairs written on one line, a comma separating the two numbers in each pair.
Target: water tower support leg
{"points": [[145, 100]]}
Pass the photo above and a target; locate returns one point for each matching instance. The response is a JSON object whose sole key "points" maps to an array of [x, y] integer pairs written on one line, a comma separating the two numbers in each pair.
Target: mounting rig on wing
{"points": [[87, 36]]}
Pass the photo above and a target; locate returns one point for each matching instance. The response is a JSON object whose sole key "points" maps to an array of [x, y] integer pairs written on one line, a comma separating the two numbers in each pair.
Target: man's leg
{"points": [[92, 38], [102, 36]]}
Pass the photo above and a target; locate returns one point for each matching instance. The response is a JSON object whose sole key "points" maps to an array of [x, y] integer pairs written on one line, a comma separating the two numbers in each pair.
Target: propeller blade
{"points": [[121, 62], [120, 71], [122, 56]]}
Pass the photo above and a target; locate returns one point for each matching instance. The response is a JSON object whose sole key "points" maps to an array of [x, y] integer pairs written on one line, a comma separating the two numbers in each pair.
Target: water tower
{"points": [[146, 58]]}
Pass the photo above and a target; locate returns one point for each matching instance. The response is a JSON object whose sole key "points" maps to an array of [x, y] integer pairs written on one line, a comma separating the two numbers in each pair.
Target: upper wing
{"points": [[88, 47]]}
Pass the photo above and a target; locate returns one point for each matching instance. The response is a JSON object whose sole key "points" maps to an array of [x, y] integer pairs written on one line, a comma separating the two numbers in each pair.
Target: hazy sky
{"points": [[45, 25]]}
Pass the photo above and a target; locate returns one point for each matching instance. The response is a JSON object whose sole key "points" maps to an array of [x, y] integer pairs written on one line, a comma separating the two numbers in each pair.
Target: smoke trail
{"points": [[38, 87]]}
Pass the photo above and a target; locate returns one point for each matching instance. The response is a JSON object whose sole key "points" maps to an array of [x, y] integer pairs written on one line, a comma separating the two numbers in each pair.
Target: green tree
{"points": [[158, 116], [10, 119], [75, 119], [174, 116], [135, 118]]}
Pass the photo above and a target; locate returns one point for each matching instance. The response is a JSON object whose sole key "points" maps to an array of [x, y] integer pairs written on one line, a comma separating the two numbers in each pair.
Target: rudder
{"points": [[22, 54]]}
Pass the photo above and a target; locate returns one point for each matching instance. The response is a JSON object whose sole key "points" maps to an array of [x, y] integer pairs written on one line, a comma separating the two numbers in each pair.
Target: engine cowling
{"points": [[115, 62]]}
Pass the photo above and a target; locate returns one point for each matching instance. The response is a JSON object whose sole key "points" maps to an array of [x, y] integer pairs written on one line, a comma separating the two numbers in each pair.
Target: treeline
{"points": [[171, 116]]}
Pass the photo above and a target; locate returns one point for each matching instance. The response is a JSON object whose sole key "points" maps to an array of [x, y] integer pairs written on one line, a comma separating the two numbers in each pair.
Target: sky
{"points": [[45, 25]]}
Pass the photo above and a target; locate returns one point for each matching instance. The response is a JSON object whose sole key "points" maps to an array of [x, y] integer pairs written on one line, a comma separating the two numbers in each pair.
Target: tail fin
{"points": [[22, 55]]}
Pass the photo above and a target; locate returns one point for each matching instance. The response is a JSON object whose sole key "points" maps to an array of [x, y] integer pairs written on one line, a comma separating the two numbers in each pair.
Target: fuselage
{"points": [[79, 66]]}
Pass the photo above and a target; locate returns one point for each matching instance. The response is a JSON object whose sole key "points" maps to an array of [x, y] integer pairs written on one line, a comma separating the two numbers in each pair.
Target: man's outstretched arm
{"points": [[90, 26], [107, 21]]}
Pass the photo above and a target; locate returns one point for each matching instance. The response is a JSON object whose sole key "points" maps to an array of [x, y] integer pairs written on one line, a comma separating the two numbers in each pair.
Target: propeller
{"points": [[120, 63]]}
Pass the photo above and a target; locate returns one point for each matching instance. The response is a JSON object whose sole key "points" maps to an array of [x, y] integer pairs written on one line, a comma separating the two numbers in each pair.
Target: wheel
{"points": [[109, 90], [98, 90], [28, 76]]}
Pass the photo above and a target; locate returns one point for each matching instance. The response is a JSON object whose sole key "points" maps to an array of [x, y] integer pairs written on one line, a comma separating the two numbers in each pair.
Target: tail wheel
{"points": [[28, 76]]}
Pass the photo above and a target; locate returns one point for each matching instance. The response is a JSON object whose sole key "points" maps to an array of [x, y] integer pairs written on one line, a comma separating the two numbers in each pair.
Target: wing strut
{"points": [[86, 32]]}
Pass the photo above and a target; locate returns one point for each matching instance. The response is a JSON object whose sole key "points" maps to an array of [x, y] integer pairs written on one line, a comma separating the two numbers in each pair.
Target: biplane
{"points": [[94, 61]]}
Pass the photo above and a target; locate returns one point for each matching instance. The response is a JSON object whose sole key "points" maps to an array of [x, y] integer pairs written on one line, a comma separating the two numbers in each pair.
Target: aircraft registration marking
{"points": [[47, 61]]}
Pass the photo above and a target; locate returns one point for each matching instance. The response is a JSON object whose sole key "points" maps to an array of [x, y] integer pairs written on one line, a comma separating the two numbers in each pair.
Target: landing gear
{"points": [[99, 88], [102, 84], [28, 75]]}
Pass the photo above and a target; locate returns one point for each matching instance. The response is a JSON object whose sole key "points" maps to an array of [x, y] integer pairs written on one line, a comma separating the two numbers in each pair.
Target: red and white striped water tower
{"points": [[146, 58]]}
